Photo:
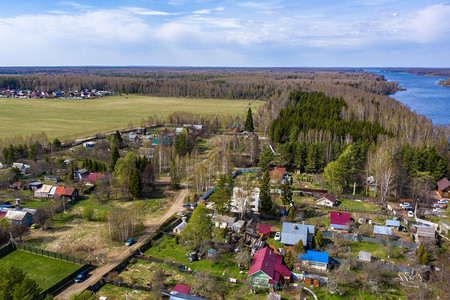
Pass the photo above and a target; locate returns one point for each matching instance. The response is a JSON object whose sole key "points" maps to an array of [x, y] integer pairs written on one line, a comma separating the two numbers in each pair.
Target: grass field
{"points": [[44, 270], [68, 119]]}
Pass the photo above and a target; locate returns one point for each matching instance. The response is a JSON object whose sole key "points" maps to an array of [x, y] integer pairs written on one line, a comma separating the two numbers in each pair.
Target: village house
{"points": [[315, 260], [339, 220], [267, 270], [444, 187], [17, 217], [69, 194], [425, 235], [43, 191], [382, 232], [393, 224], [81, 175], [291, 233], [223, 221], [327, 200]]}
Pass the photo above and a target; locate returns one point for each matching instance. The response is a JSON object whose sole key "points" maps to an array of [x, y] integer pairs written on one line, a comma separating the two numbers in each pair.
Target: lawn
{"points": [[377, 250], [358, 205], [115, 293], [68, 119], [167, 249], [46, 271]]}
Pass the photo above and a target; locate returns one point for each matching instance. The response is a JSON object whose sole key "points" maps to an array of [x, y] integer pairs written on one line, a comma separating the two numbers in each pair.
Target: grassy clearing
{"points": [[68, 119], [115, 293], [167, 249], [44, 270], [359, 205], [376, 250]]}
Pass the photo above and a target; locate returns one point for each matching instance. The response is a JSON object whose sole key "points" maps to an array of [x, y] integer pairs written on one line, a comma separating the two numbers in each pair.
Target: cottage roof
{"points": [[277, 170], [45, 188], [239, 224], [264, 228], [425, 231], [291, 233], [16, 215], [82, 171], [59, 190], [270, 263], [224, 219], [52, 190], [328, 197], [67, 192], [382, 230], [339, 218], [180, 226], [31, 211], [393, 223], [443, 183], [35, 183], [317, 256], [95, 176], [181, 288], [179, 296]]}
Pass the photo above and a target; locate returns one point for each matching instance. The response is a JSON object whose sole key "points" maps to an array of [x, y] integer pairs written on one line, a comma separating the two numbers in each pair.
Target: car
{"points": [[277, 236], [187, 205], [35, 226], [130, 242], [407, 207], [436, 206], [442, 201], [437, 210], [410, 214], [405, 204], [81, 276]]}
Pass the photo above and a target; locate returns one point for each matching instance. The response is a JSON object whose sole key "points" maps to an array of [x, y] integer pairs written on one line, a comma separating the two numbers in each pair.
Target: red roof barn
{"points": [[264, 230]]}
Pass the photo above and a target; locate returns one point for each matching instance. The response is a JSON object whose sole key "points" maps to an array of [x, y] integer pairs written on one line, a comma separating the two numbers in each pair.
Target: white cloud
{"points": [[202, 11], [147, 12]]}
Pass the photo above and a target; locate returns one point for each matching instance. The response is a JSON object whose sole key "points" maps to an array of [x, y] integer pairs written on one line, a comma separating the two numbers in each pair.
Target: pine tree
{"points": [[118, 139], [69, 176], [318, 239], [114, 156], [291, 214], [249, 121], [174, 178], [300, 247], [286, 196], [264, 194], [289, 260], [135, 183]]}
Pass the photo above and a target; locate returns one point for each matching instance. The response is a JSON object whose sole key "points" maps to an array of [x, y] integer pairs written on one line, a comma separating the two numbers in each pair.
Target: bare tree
{"points": [[380, 163]]}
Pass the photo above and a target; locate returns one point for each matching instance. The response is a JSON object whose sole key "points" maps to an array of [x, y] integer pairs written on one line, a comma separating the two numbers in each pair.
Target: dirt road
{"points": [[111, 264]]}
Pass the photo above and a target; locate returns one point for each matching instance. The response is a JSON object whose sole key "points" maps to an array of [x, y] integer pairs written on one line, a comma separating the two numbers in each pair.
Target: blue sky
{"points": [[309, 33]]}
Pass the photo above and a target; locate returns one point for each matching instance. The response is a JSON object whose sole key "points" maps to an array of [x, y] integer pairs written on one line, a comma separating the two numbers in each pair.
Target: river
{"points": [[423, 94]]}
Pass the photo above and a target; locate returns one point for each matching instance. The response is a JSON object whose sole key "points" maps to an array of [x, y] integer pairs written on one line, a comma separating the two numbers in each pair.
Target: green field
{"points": [[44, 270], [68, 119]]}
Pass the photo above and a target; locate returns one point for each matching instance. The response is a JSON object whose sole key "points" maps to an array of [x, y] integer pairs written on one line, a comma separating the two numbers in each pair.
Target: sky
{"points": [[228, 33]]}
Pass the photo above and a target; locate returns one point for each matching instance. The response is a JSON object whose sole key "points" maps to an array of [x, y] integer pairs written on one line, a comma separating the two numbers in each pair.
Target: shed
{"points": [[264, 230], [52, 191], [382, 232], [179, 228], [181, 289], [327, 200], [393, 223], [315, 259], [425, 235], [444, 187], [35, 185], [52, 178], [43, 191], [81, 174], [224, 221], [365, 256], [211, 252], [238, 225], [70, 193]]}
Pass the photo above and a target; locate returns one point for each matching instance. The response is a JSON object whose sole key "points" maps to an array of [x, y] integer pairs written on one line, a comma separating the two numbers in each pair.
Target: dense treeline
{"points": [[308, 111]]}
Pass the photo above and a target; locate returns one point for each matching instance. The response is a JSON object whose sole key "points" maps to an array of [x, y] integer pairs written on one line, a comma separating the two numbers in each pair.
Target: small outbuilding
{"points": [[238, 226], [18, 217], [425, 235], [264, 230], [179, 228], [327, 200], [444, 187], [382, 232], [364, 256], [315, 260]]}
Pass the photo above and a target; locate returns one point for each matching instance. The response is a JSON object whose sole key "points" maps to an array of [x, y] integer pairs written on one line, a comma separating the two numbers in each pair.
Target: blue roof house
{"points": [[291, 233], [315, 260]]}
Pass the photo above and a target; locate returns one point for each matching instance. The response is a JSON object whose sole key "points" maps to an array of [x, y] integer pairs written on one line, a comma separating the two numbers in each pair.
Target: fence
{"points": [[373, 212], [383, 265], [358, 238], [6, 250], [51, 254], [59, 286]]}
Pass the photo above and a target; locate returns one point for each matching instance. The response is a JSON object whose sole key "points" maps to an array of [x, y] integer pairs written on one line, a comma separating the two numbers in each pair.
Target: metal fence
{"points": [[6, 250], [358, 238], [51, 254]]}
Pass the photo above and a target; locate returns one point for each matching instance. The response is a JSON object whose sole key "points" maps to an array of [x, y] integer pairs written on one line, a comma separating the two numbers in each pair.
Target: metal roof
{"points": [[364, 255], [315, 256], [382, 230], [393, 223], [291, 233]]}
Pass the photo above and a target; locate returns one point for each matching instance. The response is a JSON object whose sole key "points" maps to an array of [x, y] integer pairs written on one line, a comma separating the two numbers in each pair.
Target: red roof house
{"points": [[94, 177], [181, 289], [444, 187], [71, 193], [267, 269], [339, 220], [264, 230], [277, 173], [58, 191]]}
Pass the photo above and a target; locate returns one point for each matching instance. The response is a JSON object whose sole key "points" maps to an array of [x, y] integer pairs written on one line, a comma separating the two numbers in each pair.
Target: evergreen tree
{"points": [[249, 121], [117, 140], [318, 239], [289, 259], [265, 159], [291, 214], [15, 285], [423, 255], [57, 143], [300, 247], [286, 195], [114, 156], [135, 183], [69, 176], [264, 194]]}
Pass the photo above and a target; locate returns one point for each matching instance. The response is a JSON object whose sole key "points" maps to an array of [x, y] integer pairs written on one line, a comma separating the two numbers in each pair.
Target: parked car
{"points": [[277, 236], [437, 210], [82, 276], [410, 214], [187, 205], [442, 201], [436, 206], [35, 226], [407, 207], [130, 242], [405, 204]]}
